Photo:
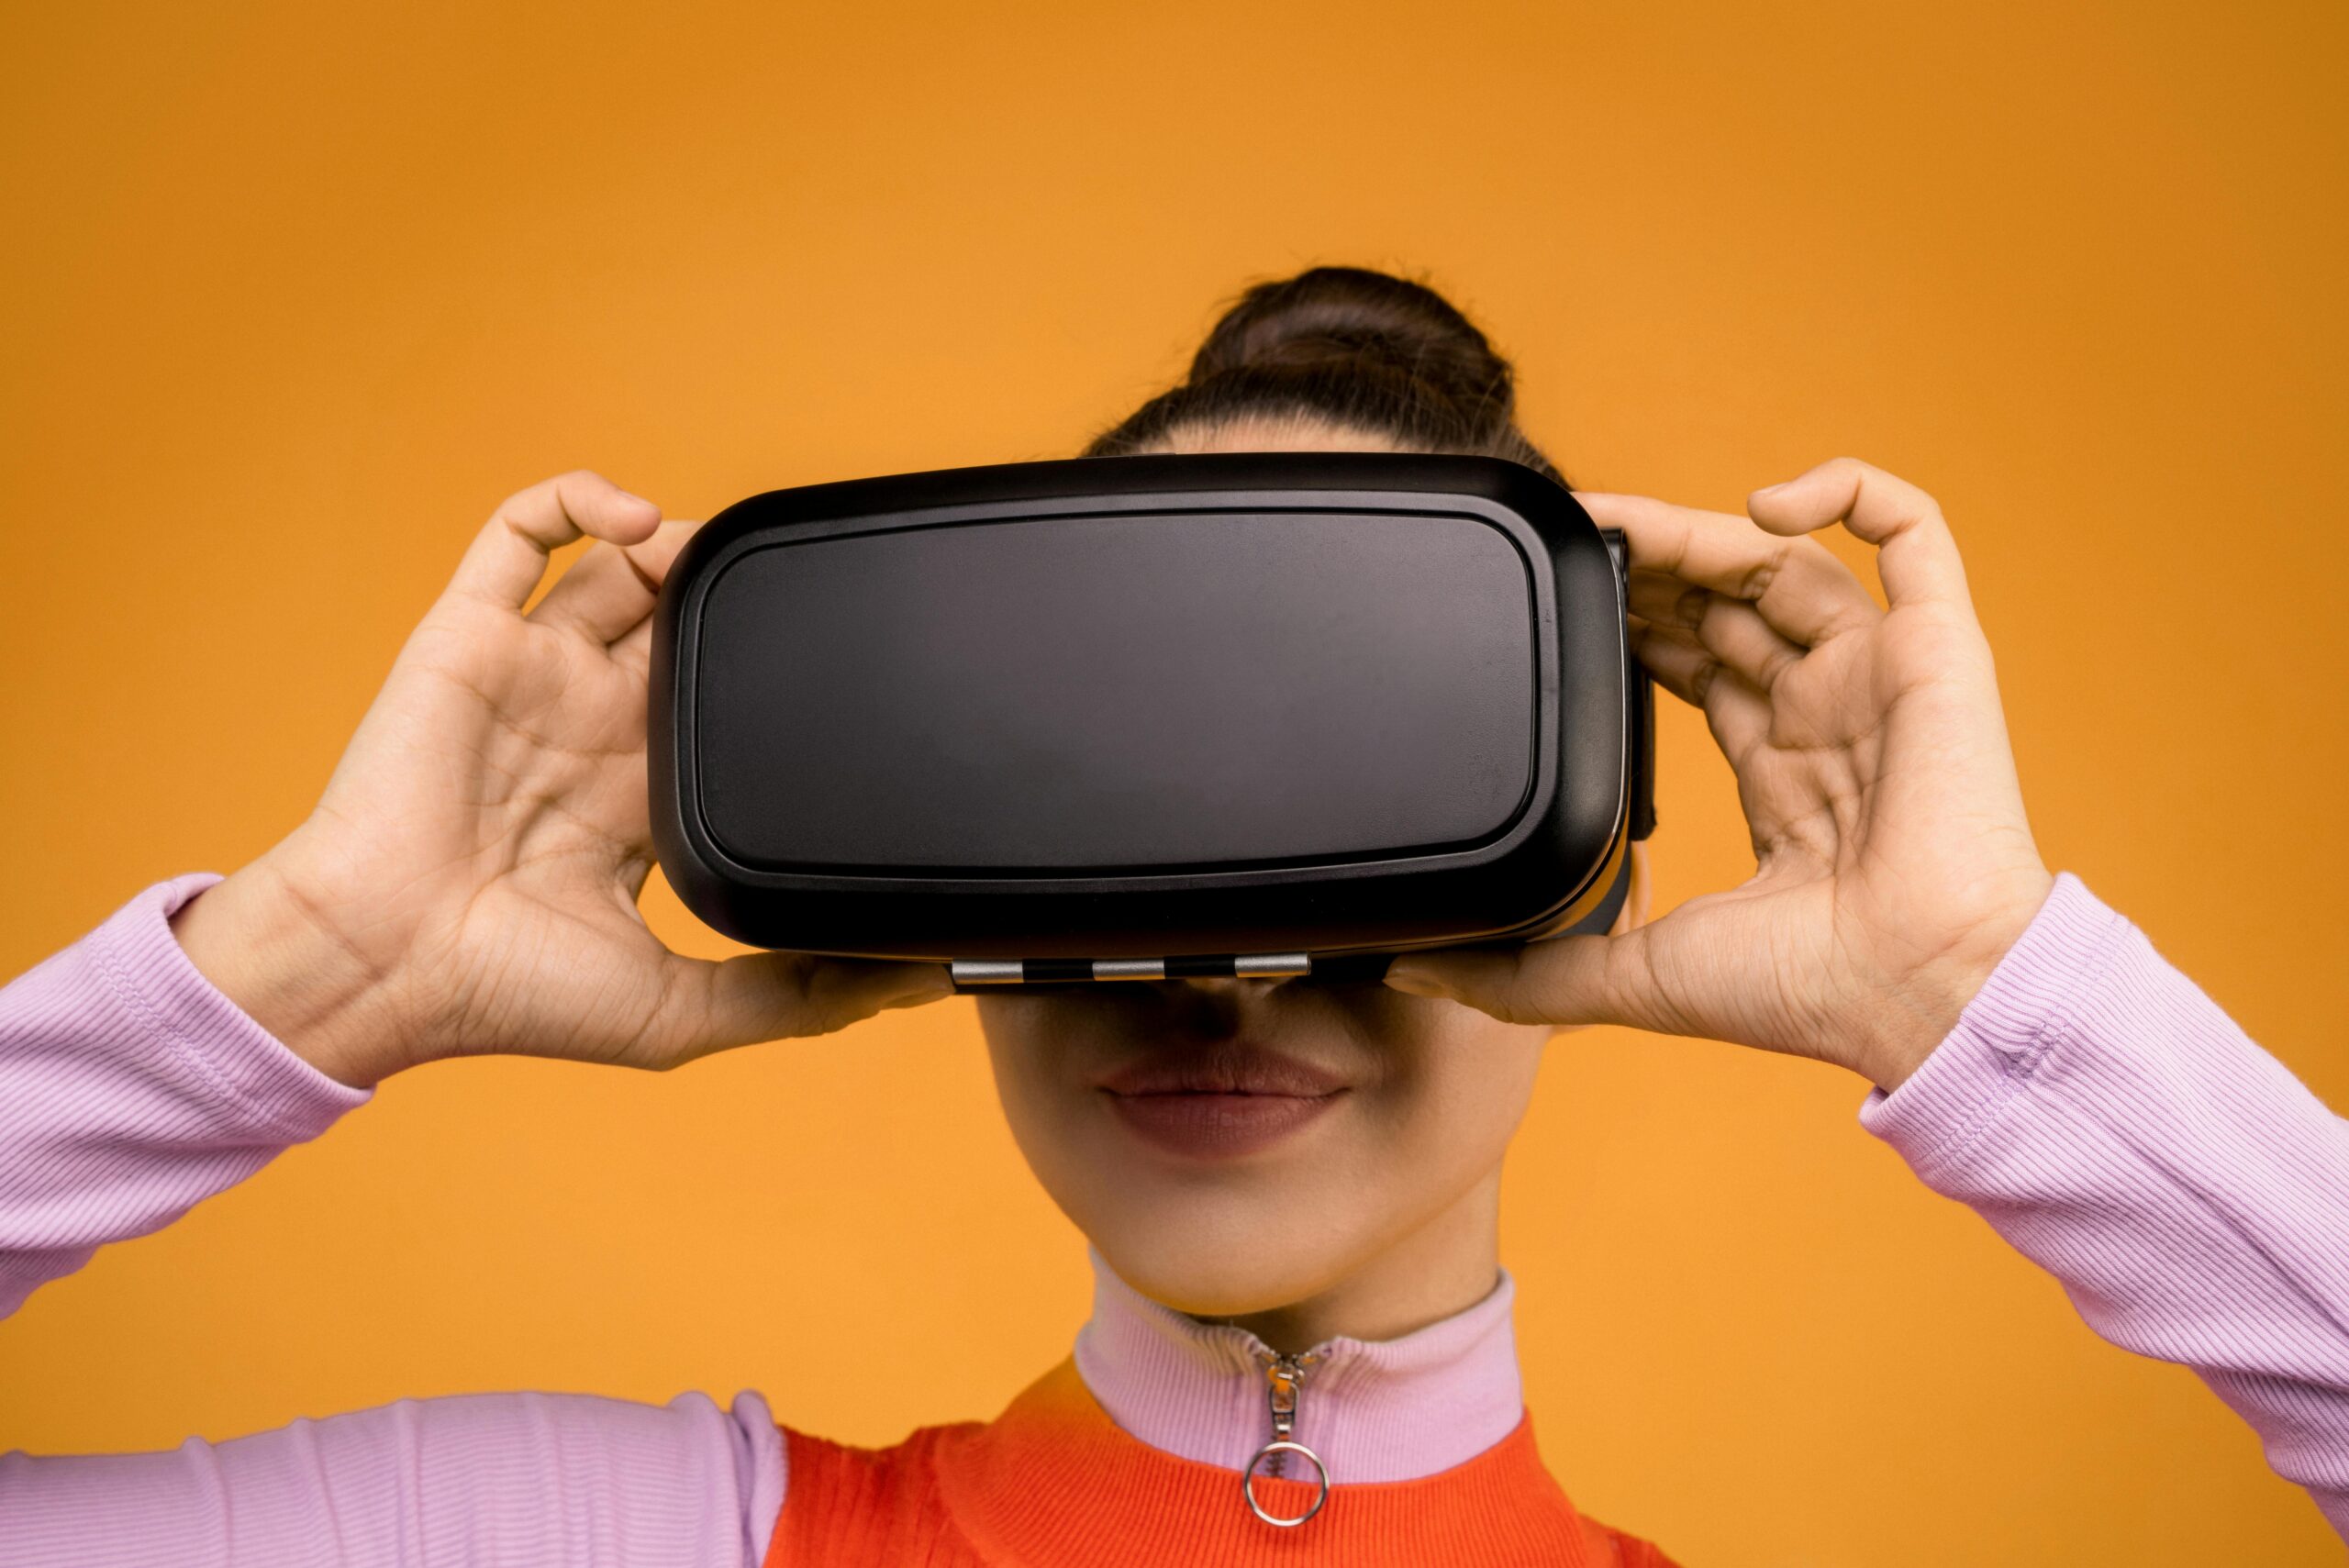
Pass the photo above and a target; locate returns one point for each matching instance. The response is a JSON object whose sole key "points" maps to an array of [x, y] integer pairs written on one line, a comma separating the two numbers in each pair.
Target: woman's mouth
{"points": [[1221, 1101]]}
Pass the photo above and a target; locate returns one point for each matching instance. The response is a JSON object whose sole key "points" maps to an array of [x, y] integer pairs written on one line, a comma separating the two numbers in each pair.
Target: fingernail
{"points": [[632, 496]]}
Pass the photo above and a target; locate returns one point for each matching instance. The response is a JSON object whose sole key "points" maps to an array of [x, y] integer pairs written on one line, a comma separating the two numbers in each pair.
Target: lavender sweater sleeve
{"points": [[130, 1090], [2113, 1124], [2091, 1104]]}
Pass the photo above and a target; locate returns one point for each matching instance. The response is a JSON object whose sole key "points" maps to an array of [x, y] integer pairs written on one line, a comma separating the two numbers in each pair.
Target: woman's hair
{"points": [[1347, 347]]}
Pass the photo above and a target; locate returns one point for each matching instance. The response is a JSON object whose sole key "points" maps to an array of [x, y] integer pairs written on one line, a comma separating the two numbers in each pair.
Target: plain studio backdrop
{"points": [[293, 295]]}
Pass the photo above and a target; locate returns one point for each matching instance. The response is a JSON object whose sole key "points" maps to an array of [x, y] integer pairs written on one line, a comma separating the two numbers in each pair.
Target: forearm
{"points": [[131, 1089], [513, 1479], [2115, 1125]]}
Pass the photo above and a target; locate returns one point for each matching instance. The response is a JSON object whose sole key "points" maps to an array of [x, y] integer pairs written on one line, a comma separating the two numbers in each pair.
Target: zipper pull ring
{"points": [[1283, 1381]]}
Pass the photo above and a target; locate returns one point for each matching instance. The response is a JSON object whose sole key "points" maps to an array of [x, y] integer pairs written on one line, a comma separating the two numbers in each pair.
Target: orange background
{"points": [[294, 294]]}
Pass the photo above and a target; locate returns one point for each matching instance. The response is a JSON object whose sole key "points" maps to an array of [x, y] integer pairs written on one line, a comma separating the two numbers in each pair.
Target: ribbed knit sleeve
{"points": [[130, 1090], [2111, 1121]]}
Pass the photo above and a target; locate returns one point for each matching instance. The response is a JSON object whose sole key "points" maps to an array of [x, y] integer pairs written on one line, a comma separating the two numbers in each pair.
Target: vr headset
{"points": [[1270, 714]]}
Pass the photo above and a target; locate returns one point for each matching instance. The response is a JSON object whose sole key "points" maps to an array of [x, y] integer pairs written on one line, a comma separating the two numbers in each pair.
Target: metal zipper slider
{"points": [[1283, 1386]]}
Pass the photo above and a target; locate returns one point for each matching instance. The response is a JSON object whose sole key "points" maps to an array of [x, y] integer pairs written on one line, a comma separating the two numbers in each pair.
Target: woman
{"points": [[1291, 1188]]}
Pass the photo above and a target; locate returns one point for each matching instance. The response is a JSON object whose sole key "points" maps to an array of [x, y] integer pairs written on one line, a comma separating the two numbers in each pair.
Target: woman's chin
{"points": [[1216, 1274]]}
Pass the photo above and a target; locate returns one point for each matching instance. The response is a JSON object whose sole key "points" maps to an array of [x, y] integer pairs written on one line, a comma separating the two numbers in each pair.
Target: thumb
{"points": [[718, 1005], [1568, 980]]}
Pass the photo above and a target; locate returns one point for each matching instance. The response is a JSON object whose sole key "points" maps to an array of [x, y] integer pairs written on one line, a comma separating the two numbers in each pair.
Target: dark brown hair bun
{"points": [[1348, 347]]}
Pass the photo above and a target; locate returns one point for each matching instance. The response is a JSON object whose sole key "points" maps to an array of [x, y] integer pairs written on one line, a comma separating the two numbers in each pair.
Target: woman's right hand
{"points": [[468, 882]]}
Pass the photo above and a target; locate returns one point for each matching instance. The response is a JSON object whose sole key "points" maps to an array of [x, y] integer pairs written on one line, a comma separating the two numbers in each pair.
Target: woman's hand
{"points": [[468, 882], [1895, 865]]}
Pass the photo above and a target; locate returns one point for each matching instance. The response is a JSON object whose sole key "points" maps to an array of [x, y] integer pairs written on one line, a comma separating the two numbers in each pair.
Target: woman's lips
{"points": [[1225, 1101]]}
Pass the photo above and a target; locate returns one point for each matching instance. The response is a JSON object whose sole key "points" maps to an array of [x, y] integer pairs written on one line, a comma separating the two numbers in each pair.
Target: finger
{"points": [[1734, 632], [508, 556], [1736, 711], [1662, 599], [598, 599], [716, 1005], [1798, 586], [1677, 660], [1731, 630], [612, 589], [654, 556], [1917, 555], [1568, 981]]}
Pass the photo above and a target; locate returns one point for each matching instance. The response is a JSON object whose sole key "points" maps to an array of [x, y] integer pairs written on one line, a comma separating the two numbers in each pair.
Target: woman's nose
{"points": [[1212, 1006]]}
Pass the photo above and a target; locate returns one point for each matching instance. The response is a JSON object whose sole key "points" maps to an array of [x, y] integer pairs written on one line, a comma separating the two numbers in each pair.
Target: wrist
{"points": [[1915, 1017], [1920, 1010], [255, 940]]}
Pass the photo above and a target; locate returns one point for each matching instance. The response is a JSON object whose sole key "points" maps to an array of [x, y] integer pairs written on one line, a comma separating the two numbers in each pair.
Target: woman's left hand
{"points": [[1895, 867]]}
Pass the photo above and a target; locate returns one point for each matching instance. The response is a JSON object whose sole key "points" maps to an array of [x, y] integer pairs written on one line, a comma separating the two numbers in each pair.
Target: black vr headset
{"points": [[1149, 718]]}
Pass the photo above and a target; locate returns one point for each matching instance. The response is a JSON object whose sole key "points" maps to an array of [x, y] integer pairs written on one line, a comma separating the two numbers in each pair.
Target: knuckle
{"points": [[529, 496], [836, 1015], [1758, 577], [826, 1008], [1916, 504]]}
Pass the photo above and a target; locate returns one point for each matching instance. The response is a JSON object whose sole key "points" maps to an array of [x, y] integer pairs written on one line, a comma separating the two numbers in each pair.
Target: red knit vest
{"points": [[1053, 1482]]}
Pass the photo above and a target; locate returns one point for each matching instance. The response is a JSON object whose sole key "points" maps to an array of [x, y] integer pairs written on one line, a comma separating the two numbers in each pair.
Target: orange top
{"points": [[1053, 1481]]}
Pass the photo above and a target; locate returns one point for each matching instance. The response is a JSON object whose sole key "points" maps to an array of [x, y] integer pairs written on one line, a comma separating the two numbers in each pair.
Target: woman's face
{"points": [[1238, 1146]]}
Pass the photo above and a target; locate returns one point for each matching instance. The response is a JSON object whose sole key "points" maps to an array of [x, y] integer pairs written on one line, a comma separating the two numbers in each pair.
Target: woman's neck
{"points": [[1446, 1266], [1441, 1389]]}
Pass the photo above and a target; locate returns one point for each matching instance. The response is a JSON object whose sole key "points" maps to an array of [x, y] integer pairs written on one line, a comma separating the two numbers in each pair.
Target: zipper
{"points": [[1284, 1391]]}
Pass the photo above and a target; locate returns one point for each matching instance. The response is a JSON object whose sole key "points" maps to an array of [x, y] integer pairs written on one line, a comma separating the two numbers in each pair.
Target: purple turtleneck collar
{"points": [[1373, 1411]]}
